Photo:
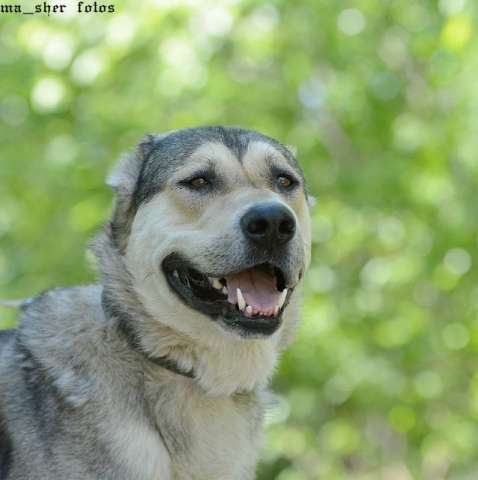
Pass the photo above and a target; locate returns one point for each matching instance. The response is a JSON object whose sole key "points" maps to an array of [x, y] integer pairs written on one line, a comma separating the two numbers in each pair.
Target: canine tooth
{"points": [[224, 290], [216, 283], [241, 303], [276, 310], [176, 274], [280, 304], [249, 310]]}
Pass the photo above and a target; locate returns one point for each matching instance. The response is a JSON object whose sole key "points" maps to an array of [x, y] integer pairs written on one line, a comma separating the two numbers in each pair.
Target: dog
{"points": [[160, 371]]}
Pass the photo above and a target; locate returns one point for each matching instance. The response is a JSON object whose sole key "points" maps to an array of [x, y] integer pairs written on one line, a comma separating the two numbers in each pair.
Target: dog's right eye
{"points": [[196, 183]]}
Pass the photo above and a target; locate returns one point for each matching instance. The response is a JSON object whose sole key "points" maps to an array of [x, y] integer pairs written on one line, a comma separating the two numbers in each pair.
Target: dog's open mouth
{"points": [[252, 299]]}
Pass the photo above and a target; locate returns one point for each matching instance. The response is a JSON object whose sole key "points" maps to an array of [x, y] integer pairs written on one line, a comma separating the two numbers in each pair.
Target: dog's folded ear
{"points": [[123, 179], [125, 174]]}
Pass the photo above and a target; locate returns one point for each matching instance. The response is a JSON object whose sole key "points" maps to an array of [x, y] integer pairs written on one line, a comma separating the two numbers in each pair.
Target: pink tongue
{"points": [[257, 287]]}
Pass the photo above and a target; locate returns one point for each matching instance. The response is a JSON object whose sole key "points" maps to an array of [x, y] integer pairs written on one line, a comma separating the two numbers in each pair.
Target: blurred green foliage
{"points": [[380, 99]]}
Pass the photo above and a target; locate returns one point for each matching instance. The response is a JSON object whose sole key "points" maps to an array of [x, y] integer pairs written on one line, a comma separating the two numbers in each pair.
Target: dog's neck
{"points": [[125, 328], [223, 367]]}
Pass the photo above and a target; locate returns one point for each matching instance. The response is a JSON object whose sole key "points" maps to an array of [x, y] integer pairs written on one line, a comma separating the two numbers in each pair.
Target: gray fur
{"points": [[95, 385]]}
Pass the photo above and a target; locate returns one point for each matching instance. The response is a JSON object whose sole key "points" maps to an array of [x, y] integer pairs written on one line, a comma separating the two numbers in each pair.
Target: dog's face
{"points": [[218, 230]]}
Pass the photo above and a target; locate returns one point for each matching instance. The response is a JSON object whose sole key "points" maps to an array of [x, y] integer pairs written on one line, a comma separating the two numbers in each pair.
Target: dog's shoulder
{"points": [[62, 313], [59, 335]]}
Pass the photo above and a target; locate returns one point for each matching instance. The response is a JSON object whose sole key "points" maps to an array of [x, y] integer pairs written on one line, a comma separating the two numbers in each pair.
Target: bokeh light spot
{"points": [[457, 261], [428, 384], [47, 94], [351, 21], [455, 336], [451, 7], [457, 32], [86, 67]]}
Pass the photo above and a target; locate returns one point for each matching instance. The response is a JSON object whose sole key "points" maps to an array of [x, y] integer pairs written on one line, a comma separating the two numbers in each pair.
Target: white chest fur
{"points": [[208, 437], [140, 451]]}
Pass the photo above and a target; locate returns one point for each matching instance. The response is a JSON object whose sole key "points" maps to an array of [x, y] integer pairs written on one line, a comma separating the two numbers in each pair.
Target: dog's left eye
{"points": [[285, 182]]}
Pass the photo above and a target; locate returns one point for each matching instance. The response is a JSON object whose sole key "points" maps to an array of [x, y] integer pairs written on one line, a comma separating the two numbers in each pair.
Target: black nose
{"points": [[268, 225]]}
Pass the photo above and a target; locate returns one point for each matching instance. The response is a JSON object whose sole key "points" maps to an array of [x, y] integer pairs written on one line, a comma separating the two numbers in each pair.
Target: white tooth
{"points": [[280, 304], [175, 273], [276, 311], [241, 303], [249, 310], [216, 283], [224, 290]]}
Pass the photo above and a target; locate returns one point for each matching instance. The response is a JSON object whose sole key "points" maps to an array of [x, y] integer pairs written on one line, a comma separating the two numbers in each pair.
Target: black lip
{"points": [[218, 308]]}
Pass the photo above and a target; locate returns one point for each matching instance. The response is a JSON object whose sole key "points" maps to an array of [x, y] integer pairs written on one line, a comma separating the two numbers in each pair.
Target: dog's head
{"points": [[213, 224]]}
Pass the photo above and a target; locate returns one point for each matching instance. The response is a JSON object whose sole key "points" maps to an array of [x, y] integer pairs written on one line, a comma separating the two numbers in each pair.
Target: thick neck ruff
{"points": [[126, 329]]}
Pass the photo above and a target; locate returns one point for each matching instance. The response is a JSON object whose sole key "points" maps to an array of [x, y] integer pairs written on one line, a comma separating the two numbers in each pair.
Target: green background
{"points": [[380, 98]]}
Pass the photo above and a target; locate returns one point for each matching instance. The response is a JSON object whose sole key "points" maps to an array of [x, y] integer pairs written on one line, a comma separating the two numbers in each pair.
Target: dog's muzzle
{"points": [[248, 295]]}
